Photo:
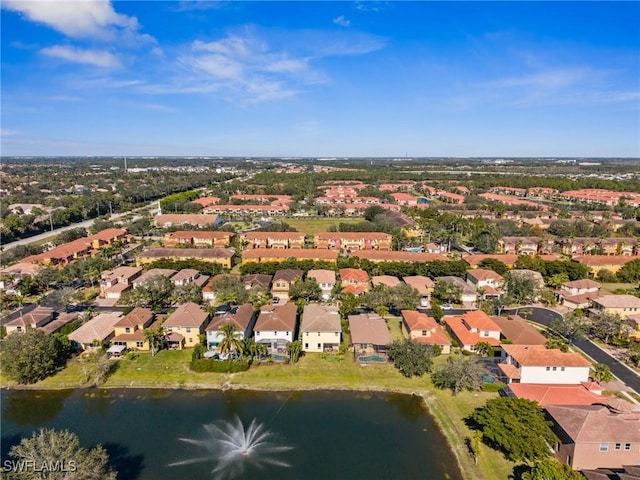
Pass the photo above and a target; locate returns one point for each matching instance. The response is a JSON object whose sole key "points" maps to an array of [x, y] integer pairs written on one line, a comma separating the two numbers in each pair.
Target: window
{"points": [[604, 447], [127, 330], [306, 334], [139, 344], [188, 329], [306, 346], [275, 333], [548, 369], [335, 334], [319, 346], [318, 333], [424, 333], [485, 334], [627, 447], [555, 368], [562, 369], [618, 447]]}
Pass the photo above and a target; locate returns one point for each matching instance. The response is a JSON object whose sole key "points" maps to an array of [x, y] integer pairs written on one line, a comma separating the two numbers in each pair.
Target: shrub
{"points": [[210, 365], [492, 387]]}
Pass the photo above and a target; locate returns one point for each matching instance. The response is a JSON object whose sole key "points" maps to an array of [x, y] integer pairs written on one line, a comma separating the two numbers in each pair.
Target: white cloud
{"points": [[76, 19], [8, 133], [98, 58], [342, 21]]}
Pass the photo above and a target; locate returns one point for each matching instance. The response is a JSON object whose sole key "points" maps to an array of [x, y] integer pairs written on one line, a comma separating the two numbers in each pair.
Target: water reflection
{"points": [[27, 408]]}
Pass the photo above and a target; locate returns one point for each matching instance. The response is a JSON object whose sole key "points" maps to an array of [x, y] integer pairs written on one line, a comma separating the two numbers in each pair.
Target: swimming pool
{"points": [[372, 359]]}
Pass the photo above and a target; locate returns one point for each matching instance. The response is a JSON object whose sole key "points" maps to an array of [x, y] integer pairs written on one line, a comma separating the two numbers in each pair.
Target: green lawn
{"points": [[311, 226], [395, 327], [611, 287], [169, 369]]}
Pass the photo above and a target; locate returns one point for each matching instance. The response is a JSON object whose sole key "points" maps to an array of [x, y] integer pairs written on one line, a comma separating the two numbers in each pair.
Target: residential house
{"points": [[579, 287], [261, 255], [17, 272], [386, 280], [119, 280], [577, 246], [425, 329], [538, 364], [519, 245], [404, 199], [579, 293], [257, 281], [611, 263], [185, 325], [129, 331], [509, 260], [468, 293], [247, 210], [60, 321], [595, 436], [241, 316], [154, 272], [272, 240], [472, 328], [424, 286], [369, 335], [624, 247], [221, 256], [516, 330], [320, 329], [29, 318], [354, 280], [623, 305], [326, 280], [189, 275], [488, 282], [282, 281], [352, 241], [198, 238], [276, 326], [96, 333]]}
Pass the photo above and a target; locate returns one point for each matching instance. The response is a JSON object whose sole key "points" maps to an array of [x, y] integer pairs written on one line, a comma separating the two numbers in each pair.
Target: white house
{"points": [[240, 316], [538, 364], [276, 326], [320, 329], [326, 279]]}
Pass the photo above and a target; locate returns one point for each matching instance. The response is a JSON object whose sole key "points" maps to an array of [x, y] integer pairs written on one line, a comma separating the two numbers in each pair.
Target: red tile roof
{"points": [[546, 394], [540, 356], [382, 256]]}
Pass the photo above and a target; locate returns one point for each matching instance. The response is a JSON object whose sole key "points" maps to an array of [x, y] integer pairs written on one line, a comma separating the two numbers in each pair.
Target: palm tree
{"points": [[155, 337], [294, 349], [601, 373], [249, 348], [484, 349], [231, 338]]}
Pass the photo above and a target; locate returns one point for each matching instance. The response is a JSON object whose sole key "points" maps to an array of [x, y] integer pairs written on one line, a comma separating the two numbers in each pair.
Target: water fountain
{"points": [[233, 448]]}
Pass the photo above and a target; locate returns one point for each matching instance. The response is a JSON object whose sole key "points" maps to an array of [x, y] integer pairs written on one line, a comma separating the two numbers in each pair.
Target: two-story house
{"points": [[539, 364], [276, 326], [34, 318], [488, 282], [425, 329], [424, 286], [519, 245], [472, 328], [624, 305], [129, 331], [282, 281], [272, 239], [352, 241], [241, 316], [114, 282], [326, 280], [198, 238], [320, 329], [185, 325], [354, 280]]}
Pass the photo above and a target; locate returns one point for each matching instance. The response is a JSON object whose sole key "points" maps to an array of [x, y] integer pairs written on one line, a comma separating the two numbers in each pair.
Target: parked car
{"points": [[447, 306]]}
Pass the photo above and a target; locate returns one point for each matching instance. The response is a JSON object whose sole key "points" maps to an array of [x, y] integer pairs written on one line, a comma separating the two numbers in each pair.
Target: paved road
{"points": [[545, 316]]}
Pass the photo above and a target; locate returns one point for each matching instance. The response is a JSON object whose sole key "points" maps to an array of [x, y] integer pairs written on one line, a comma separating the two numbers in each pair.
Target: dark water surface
{"points": [[334, 435]]}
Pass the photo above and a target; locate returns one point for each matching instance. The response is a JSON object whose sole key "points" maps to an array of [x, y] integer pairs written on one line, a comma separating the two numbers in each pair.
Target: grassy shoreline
{"points": [[169, 370]]}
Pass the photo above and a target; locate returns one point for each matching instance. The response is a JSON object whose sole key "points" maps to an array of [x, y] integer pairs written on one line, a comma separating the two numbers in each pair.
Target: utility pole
{"points": [[51, 221]]}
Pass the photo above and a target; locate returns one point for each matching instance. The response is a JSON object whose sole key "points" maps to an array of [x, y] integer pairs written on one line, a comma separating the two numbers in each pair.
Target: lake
{"points": [[171, 434]]}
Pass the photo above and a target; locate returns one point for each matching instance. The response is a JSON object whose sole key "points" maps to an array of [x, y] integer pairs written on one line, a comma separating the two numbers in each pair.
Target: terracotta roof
{"points": [[480, 320], [185, 274], [124, 272], [596, 424], [418, 321], [482, 274], [240, 316], [618, 301], [154, 272], [297, 253], [392, 256], [540, 356], [138, 317], [35, 317], [420, 283], [320, 318], [582, 284], [352, 236], [199, 234], [108, 234], [474, 260], [217, 252], [136, 336], [388, 280], [22, 268], [369, 329], [354, 275], [62, 320], [516, 329], [277, 318], [322, 276], [510, 371], [546, 394], [355, 289], [276, 235], [464, 335], [187, 315], [98, 328]]}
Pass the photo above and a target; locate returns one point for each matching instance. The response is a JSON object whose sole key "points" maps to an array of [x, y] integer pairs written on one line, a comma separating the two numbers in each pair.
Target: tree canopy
{"points": [[458, 373], [412, 358], [516, 426]]}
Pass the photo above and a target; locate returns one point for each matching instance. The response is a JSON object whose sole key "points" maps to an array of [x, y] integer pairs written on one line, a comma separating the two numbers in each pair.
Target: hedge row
{"points": [[225, 366]]}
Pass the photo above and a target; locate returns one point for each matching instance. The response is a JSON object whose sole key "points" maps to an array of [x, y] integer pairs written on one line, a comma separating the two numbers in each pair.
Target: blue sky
{"points": [[328, 79]]}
